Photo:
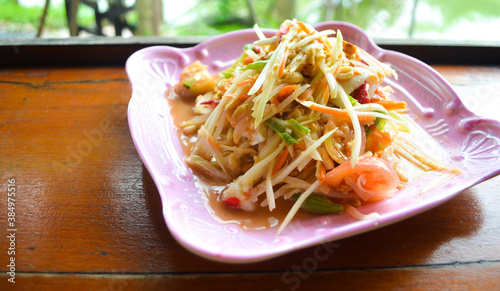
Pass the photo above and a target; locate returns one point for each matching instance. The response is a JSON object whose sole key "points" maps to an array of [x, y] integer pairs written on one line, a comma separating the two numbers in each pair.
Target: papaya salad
{"points": [[300, 115]]}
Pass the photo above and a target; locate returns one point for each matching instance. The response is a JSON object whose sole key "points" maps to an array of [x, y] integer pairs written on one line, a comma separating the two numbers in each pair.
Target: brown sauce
{"points": [[261, 218], [182, 110]]}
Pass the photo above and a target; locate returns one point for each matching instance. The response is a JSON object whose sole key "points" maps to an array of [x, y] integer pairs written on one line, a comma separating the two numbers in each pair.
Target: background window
{"points": [[477, 20]]}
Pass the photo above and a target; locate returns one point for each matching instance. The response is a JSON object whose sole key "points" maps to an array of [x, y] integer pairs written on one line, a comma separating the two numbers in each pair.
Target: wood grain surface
{"points": [[88, 215]]}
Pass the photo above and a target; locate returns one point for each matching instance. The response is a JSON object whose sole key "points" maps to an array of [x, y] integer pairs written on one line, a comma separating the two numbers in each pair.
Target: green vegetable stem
{"points": [[320, 204]]}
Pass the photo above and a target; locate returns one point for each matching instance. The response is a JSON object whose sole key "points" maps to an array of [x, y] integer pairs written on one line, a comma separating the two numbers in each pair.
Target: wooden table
{"points": [[88, 215]]}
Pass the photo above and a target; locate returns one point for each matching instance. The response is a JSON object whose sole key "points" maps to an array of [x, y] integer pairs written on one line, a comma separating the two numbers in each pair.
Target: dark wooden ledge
{"points": [[105, 51]]}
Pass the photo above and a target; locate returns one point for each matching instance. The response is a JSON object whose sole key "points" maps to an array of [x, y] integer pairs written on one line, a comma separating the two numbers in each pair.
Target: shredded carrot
{"points": [[247, 60], [241, 96], [322, 172], [318, 86], [286, 91], [326, 95], [214, 144], [281, 161], [337, 70], [392, 105], [247, 81], [303, 27], [283, 63], [306, 94], [301, 146], [341, 113]]}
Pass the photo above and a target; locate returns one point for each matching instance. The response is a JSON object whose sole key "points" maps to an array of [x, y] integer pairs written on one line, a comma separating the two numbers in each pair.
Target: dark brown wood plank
{"points": [[449, 277]]}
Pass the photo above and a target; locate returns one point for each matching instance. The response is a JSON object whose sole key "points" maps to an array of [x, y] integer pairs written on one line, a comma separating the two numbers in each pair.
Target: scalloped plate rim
{"points": [[140, 56]]}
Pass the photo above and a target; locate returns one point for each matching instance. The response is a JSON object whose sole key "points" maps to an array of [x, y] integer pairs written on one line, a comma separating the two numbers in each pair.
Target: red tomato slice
{"points": [[370, 178]]}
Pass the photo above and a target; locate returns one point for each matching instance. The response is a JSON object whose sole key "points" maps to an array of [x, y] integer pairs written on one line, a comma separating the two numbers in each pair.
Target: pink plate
{"points": [[470, 143]]}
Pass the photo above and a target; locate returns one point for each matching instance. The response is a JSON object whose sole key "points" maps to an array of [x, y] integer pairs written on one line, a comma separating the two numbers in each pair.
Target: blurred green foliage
{"points": [[212, 17], [453, 11], [13, 13], [218, 16]]}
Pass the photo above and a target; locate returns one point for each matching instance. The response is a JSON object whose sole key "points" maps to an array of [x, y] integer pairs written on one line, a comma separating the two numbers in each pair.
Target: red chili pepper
{"points": [[232, 201], [210, 102], [361, 94], [363, 61], [284, 29]]}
